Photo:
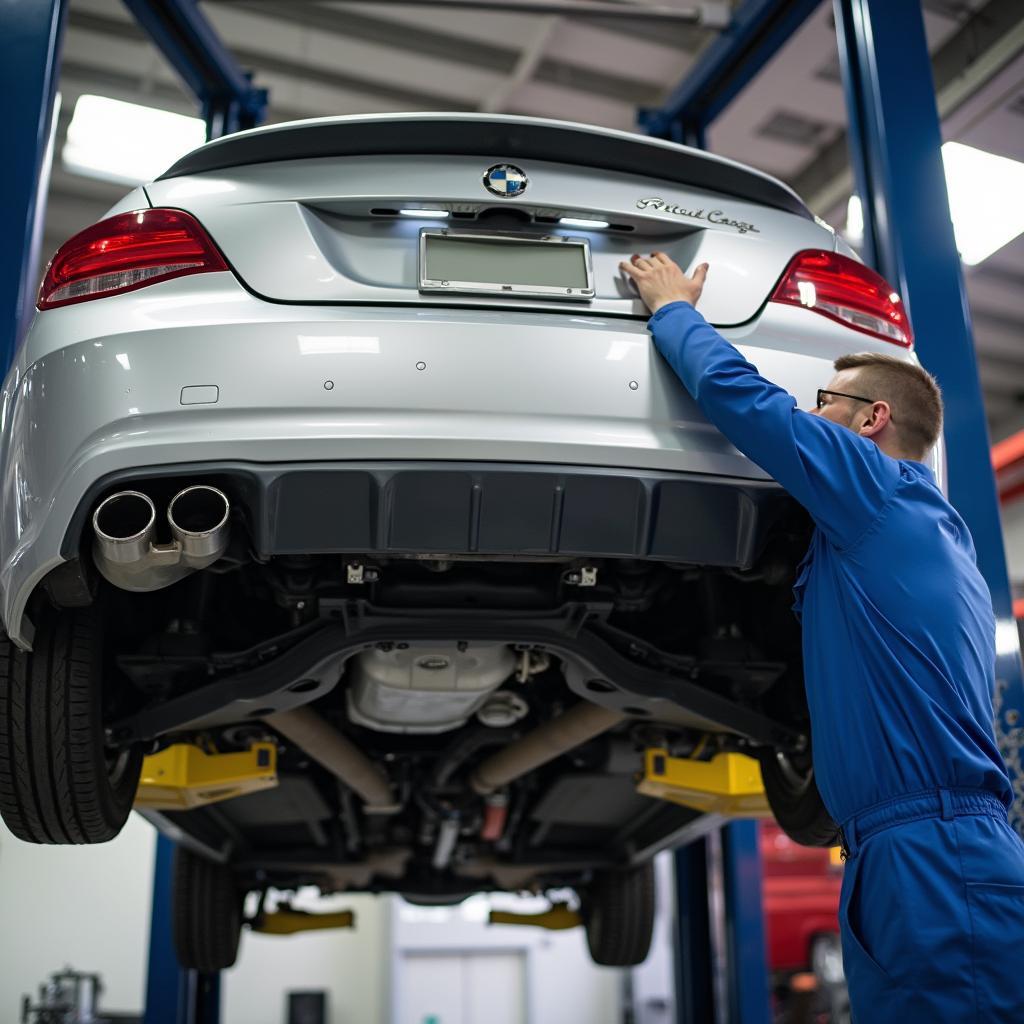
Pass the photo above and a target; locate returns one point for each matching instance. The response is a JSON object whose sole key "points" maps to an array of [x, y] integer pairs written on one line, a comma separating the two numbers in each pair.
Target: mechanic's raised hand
{"points": [[661, 280]]}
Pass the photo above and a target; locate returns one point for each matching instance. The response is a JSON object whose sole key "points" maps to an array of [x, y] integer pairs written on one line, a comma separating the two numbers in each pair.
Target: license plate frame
{"points": [[504, 288]]}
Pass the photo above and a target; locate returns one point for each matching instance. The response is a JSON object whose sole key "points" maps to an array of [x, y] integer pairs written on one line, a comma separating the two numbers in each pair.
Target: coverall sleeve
{"points": [[842, 479]]}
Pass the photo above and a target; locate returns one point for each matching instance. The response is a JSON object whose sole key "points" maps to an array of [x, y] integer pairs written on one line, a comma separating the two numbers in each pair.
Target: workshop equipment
{"points": [[728, 784], [286, 921], [557, 919], [183, 776]]}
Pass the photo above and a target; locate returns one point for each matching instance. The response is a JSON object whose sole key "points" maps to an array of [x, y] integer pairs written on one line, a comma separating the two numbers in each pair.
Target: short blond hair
{"points": [[912, 393]]}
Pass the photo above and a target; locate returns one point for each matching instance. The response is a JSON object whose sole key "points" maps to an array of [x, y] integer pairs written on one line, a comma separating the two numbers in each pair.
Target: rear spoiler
{"points": [[492, 138]]}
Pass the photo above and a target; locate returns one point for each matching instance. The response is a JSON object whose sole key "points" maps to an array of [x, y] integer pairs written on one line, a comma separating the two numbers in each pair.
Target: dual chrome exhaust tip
{"points": [[125, 548]]}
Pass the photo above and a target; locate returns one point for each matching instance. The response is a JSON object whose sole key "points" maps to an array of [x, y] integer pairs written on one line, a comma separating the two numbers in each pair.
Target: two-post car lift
{"points": [[894, 144]]}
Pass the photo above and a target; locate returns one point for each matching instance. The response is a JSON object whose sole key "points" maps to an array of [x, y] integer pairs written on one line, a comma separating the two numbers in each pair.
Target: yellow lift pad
{"points": [[558, 918], [184, 776], [288, 922], [729, 784]]}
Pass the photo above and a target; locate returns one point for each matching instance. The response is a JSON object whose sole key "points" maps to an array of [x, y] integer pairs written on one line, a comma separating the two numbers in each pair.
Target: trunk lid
{"points": [[310, 212]]}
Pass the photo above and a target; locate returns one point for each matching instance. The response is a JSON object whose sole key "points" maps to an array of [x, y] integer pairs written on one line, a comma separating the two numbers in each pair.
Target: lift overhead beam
{"points": [[707, 15], [228, 99], [758, 29]]}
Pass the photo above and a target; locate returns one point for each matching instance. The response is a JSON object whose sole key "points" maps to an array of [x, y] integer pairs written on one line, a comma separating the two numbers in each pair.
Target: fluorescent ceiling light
{"points": [[582, 222], [425, 214], [986, 199], [126, 142]]}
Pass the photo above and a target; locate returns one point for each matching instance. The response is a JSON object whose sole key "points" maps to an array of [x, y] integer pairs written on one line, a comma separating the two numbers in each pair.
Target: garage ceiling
{"points": [[320, 58]]}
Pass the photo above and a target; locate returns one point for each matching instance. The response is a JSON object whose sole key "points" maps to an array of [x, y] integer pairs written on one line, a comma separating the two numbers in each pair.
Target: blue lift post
{"points": [[895, 139], [31, 32], [747, 960], [695, 994], [721, 964], [173, 995]]}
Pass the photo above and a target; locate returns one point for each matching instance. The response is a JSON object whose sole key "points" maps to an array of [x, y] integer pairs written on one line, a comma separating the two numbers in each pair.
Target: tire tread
{"points": [[801, 814], [620, 916], [54, 785], [206, 913]]}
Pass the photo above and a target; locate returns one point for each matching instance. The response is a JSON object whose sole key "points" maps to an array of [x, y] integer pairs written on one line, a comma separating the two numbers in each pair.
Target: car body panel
{"points": [[508, 386]]}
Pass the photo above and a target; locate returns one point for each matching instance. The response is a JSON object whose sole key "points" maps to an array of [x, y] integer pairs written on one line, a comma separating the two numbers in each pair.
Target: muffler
{"points": [[125, 551]]}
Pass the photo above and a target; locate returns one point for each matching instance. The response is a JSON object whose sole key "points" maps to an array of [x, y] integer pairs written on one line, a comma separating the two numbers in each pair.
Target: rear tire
{"points": [[59, 782], [795, 801], [207, 913], [618, 911]]}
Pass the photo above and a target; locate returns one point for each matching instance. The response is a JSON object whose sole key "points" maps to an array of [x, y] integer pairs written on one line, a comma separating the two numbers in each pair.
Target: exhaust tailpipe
{"points": [[125, 551], [124, 525], [199, 523]]}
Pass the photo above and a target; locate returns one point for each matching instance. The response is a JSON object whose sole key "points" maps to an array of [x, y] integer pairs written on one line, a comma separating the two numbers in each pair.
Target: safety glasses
{"points": [[841, 394]]}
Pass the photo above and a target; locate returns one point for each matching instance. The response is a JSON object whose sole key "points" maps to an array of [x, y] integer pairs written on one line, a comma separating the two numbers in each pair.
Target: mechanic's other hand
{"points": [[660, 280]]}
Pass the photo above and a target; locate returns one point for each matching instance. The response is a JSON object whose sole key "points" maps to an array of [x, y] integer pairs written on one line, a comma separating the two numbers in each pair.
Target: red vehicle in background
{"points": [[801, 910]]}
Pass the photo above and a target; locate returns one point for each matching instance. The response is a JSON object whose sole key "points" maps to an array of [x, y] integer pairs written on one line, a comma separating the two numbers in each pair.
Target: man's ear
{"points": [[878, 419]]}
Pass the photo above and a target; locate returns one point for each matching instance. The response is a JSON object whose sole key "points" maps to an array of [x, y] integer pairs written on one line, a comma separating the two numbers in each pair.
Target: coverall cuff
{"points": [[667, 308]]}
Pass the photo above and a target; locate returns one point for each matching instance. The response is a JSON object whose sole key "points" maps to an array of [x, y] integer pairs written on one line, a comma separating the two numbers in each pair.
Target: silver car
{"points": [[347, 438]]}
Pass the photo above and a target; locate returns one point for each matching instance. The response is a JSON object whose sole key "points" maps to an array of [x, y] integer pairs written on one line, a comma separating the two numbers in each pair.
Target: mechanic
{"points": [[899, 663]]}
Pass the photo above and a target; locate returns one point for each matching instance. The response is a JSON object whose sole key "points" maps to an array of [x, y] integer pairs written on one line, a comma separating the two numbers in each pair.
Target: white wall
{"points": [[89, 907], [83, 906], [564, 986], [351, 964]]}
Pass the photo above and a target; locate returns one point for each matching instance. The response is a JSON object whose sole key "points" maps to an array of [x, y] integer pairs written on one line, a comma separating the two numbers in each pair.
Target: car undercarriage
{"points": [[425, 665]]}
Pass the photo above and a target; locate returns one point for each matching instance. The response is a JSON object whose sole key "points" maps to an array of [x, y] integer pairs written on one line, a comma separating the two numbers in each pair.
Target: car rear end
{"points": [[414, 329], [345, 441]]}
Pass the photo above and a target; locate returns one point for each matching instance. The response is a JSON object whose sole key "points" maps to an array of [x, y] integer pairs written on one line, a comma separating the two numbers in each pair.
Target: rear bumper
{"points": [[464, 508], [594, 445]]}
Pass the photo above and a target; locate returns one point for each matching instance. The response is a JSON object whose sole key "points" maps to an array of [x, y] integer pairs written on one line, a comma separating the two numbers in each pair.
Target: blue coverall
{"points": [[899, 661]]}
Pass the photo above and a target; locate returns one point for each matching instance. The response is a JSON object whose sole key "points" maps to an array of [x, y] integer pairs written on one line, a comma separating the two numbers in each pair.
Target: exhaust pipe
{"points": [[125, 551], [555, 737], [319, 739]]}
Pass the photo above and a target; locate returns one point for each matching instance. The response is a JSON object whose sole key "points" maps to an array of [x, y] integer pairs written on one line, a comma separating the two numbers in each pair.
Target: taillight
{"points": [[126, 252], [846, 291]]}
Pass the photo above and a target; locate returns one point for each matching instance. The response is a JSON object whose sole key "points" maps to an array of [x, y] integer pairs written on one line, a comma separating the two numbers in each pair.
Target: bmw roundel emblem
{"points": [[505, 180]]}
